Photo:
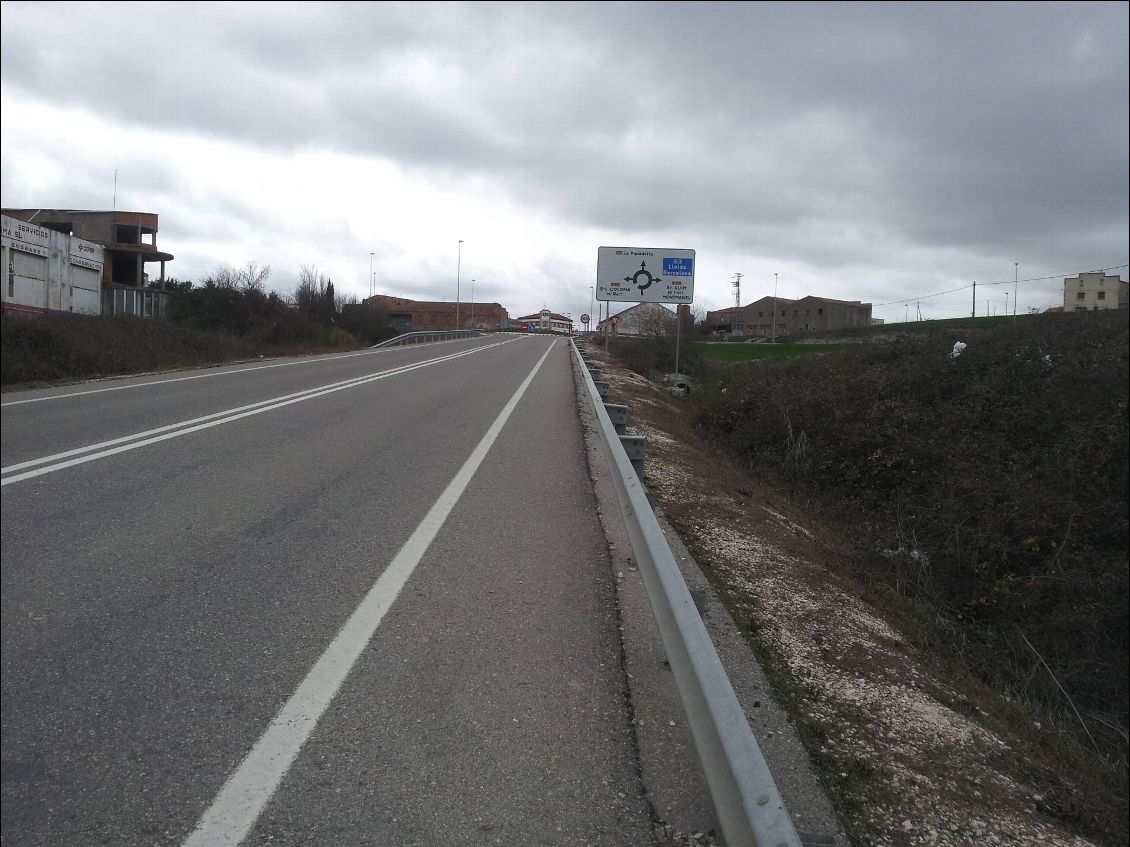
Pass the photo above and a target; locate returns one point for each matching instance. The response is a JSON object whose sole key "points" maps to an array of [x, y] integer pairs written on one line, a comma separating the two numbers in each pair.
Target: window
{"points": [[761, 314], [819, 311], [1102, 295], [1081, 295]]}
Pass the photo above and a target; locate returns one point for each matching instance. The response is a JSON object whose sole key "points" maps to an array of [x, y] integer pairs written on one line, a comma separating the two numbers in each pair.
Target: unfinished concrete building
{"points": [[130, 243]]}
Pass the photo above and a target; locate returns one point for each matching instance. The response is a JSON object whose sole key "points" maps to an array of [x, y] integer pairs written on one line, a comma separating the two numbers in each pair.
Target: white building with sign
{"points": [[49, 272], [547, 321]]}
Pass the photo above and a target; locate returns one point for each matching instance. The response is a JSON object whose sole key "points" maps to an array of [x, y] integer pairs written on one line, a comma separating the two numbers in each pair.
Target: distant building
{"points": [[49, 272], [1090, 292], [123, 235], [411, 315], [808, 314], [652, 319], [546, 320]]}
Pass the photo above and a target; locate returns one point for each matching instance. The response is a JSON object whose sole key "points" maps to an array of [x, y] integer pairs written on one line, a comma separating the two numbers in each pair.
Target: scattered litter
{"points": [[958, 346]]}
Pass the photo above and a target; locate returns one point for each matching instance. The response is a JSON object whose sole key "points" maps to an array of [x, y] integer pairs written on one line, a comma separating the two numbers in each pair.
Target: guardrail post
{"points": [[636, 448], [619, 416], [602, 388]]}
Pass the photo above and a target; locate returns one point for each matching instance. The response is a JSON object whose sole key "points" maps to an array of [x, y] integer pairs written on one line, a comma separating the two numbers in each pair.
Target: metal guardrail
{"points": [[425, 336], [749, 806]]}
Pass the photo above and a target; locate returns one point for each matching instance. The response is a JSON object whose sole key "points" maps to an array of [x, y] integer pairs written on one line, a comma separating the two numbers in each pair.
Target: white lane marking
{"points": [[137, 435], [311, 361], [248, 790], [208, 421]]}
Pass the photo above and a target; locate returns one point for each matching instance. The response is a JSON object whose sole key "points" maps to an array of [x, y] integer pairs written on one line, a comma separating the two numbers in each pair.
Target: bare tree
{"points": [[314, 296], [654, 320], [310, 286], [253, 277], [223, 277]]}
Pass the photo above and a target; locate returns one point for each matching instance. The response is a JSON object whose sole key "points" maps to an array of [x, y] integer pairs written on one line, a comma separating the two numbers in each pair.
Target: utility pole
{"points": [[774, 315], [906, 314], [592, 327], [974, 298], [736, 285], [371, 277], [1006, 302], [472, 303]]}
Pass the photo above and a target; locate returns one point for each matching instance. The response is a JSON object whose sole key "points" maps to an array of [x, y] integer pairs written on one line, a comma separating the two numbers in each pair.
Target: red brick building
{"points": [[408, 315]]}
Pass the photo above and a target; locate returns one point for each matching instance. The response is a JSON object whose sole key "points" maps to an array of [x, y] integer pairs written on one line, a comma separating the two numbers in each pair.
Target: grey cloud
{"points": [[982, 128]]}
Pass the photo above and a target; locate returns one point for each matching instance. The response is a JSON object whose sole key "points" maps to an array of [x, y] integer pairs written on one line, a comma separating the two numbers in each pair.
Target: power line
{"points": [[1001, 282]]}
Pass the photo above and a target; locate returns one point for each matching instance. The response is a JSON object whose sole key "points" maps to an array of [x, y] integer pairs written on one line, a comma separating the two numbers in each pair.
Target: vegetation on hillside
{"points": [[982, 498], [230, 316], [990, 487]]}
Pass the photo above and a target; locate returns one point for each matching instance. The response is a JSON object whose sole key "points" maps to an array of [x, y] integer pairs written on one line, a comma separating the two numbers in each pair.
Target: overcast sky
{"points": [[875, 152]]}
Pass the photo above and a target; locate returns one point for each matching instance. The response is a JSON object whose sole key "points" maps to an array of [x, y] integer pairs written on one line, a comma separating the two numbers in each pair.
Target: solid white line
{"points": [[311, 361], [207, 422], [242, 799]]}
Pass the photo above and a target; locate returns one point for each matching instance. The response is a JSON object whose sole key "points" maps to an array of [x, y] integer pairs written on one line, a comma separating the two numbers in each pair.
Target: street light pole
{"points": [[1016, 279], [458, 265], [774, 341], [370, 274], [472, 303]]}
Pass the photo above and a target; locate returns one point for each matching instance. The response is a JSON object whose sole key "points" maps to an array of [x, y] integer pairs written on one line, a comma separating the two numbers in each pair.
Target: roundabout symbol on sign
{"points": [[644, 272]]}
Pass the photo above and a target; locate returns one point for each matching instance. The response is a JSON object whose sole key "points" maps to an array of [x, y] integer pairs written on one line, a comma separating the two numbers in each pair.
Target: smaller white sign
{"points": [[86, 254], [644, 275], [26, 237]]}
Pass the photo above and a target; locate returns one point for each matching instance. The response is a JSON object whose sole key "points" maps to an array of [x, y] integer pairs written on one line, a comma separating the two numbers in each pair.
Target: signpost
{"points": [[531, 327], [646, 275]]}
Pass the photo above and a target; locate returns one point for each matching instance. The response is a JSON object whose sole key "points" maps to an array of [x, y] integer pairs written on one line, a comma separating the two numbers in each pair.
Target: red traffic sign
{"points": [[584, 319]]}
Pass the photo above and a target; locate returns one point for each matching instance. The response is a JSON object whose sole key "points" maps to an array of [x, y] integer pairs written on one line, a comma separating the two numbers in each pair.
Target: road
{"points": [[335, 600]]}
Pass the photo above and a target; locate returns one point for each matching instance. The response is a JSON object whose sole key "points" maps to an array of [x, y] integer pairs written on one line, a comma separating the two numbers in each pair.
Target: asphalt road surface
{"points": [[335, 600]]}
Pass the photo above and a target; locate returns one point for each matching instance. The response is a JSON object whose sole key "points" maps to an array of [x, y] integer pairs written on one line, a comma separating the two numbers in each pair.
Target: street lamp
{"points": [[458, 265], [1016, 278], [371, 275]]}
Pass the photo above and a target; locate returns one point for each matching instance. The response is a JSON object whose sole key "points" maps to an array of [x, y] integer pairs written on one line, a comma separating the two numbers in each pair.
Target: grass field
{"points": [[757, 352]]}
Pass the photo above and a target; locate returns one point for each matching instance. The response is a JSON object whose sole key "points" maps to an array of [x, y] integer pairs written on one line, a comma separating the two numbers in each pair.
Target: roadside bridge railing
{"points": [[428, 336]]}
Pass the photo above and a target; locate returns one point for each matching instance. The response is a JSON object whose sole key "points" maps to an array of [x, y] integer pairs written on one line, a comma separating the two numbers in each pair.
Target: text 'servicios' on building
{"points": [[40, 282]]}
